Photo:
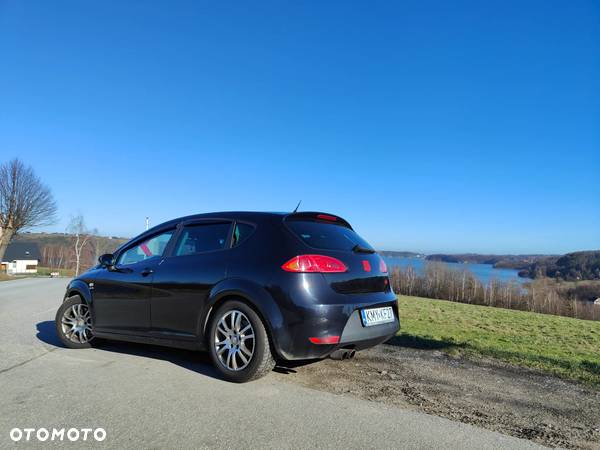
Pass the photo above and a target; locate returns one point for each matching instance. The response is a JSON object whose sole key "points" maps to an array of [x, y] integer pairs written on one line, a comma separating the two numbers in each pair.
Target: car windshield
{"points": [[327, 236]]}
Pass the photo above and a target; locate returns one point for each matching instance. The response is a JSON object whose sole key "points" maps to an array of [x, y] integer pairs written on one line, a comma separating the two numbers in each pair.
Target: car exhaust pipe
{"points": [[342, 353], [338, 354]]}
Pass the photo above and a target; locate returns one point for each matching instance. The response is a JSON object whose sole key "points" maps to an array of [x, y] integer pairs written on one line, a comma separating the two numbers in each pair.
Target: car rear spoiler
{"points": [[315, 216]]}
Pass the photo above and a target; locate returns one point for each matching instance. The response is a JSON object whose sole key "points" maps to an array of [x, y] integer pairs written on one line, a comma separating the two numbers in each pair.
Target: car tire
{"points": [[230, 344], [73, 323]]}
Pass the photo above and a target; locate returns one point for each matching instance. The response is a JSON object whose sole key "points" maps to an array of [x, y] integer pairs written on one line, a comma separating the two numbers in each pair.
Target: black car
{"points": [[251, 288]]}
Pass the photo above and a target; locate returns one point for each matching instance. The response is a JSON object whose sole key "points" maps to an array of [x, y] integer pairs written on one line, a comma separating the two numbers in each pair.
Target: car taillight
{"points": [[326, 340], [314, 263], [382, 265]]}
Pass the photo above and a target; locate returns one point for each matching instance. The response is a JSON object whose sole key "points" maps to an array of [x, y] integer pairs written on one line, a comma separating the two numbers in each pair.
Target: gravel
{"points": [[486, 393]]}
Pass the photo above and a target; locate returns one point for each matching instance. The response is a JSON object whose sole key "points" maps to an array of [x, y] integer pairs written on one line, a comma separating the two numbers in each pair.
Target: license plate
{"points": [[377, 316]]}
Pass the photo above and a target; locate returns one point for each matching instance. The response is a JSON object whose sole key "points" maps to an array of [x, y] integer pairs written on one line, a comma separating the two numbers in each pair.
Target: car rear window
{"points": [[327, 236]]}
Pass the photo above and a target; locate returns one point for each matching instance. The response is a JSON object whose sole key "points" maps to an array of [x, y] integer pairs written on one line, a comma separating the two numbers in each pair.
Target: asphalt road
{"points": [[153, 397]]}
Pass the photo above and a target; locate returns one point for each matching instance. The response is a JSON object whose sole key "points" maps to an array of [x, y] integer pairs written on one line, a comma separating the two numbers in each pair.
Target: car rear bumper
{"points": [[359, 337], [342, 320]]}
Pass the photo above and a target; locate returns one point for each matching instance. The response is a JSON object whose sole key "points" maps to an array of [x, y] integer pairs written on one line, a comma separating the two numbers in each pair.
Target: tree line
{"points": [[439, 281], [570, 267], [498, 261], [72, 252], [26, 202]]}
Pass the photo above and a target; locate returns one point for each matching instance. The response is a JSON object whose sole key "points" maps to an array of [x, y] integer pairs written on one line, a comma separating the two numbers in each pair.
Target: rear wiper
{"points": [[360, 249]]}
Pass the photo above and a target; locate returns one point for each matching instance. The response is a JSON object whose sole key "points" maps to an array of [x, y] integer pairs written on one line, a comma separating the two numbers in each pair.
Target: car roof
{"points": [[235, 215], [253, 216], [247, 215], [230, 215]]}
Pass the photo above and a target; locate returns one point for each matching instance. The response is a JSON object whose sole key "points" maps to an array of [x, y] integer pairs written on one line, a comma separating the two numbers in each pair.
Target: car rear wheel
{"points": [[239, 344], [74, 323]]}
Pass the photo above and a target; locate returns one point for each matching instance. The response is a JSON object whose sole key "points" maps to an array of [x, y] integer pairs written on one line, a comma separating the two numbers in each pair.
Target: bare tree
{"points": [[54, 256], [101, 245], [25, 201], [82, 237]]}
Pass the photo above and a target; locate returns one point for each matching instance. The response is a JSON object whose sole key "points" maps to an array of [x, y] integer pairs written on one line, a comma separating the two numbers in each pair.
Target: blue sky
{"points": [[430, 126]]}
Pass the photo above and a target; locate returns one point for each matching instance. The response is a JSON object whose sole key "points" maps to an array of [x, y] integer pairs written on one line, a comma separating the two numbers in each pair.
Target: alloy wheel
{"points": [[234, 340], [76, 324]]}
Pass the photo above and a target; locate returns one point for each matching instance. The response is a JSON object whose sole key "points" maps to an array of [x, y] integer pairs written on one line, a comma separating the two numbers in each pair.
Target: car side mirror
{"points": [[107, 260]]}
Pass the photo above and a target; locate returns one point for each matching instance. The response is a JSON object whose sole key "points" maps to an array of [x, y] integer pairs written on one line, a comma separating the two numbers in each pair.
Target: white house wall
{"points": [[20, 266]]}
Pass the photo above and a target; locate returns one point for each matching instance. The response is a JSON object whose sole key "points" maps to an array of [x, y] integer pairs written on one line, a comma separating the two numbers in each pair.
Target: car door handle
{"points": [[147, 272]]}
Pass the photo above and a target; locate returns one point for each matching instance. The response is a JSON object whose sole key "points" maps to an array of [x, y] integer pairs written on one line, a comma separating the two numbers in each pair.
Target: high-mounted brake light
{"points": [[382, 265], [314, 263], [325, 340], [326, 217]]}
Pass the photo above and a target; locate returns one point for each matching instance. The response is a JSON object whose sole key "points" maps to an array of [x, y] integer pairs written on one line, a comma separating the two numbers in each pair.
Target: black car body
{"points": [[311, 306]]}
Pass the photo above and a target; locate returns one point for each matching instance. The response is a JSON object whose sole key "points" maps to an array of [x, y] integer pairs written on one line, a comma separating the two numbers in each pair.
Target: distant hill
{"points": [[57, 249], [60, 238], [397, 254], [570, 267], [498, 261]]}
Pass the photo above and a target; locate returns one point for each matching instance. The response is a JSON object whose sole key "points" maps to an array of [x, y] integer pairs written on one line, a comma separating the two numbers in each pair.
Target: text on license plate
{"points": [[376, 316]]}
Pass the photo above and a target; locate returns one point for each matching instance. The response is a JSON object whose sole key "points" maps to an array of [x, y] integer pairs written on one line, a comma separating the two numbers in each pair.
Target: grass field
{"points": [[566, 347], [41, 272], [45, 271]]}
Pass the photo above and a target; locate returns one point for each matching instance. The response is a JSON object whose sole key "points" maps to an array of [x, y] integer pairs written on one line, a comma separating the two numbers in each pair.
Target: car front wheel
{"points": [[239, 344], [74, 323]]}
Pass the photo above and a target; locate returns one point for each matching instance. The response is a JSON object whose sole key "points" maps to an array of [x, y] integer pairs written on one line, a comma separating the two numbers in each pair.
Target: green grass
{"points": [[566, 347], [41, 272], [45, 271]]}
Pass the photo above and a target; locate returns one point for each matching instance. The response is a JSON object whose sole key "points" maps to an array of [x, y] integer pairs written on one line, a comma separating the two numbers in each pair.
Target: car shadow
{"points": [[289, 367], [420, 343], [195, 361], [46, 332]]}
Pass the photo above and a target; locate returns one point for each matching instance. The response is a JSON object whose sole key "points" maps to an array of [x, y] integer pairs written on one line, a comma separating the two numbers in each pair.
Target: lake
{"points": [[484, 272]]}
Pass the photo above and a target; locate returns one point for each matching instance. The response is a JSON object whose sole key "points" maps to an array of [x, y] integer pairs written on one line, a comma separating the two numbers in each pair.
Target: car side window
{"points": [[155, 246], [241, 232], [200, 238]]}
